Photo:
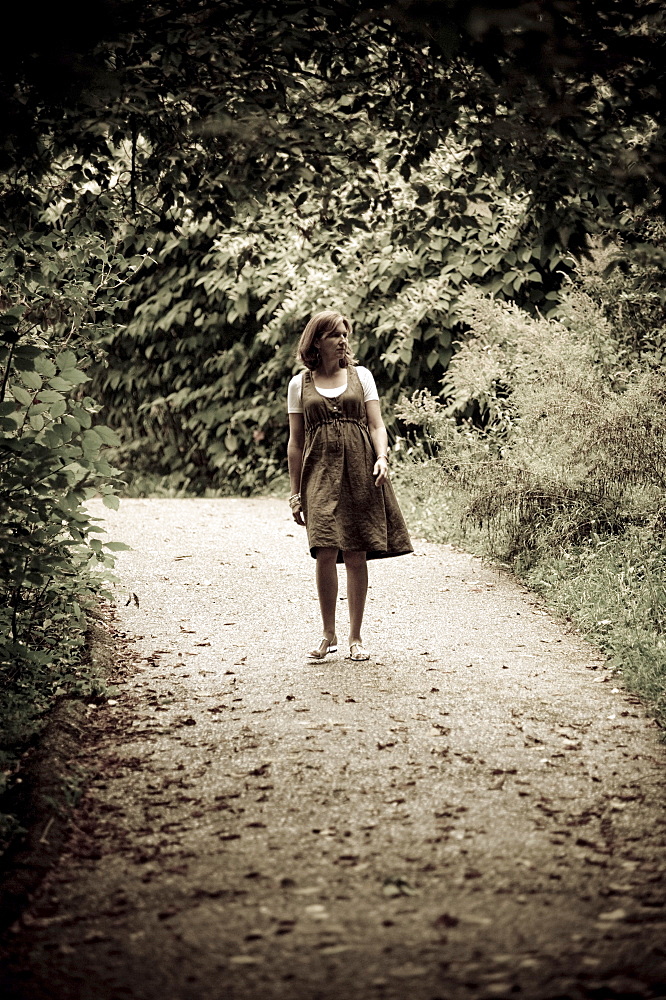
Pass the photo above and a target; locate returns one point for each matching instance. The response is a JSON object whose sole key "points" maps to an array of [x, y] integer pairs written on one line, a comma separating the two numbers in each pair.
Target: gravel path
{"points": [[476, 813]]}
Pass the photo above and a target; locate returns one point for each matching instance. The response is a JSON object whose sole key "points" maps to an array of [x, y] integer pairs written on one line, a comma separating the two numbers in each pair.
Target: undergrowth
{"points": [[53, 459], [547, 456]]}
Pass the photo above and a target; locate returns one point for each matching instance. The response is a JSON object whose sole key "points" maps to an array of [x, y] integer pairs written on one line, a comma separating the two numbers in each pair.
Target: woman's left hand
{"points": [[380, 471]]}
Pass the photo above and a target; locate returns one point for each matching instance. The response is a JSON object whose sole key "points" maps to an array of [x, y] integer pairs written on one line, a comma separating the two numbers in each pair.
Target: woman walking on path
{"points": [[338, 468]]}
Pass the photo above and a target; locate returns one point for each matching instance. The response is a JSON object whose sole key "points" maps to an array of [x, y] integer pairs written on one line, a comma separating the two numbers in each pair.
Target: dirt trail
{"points": [[476, 813]]}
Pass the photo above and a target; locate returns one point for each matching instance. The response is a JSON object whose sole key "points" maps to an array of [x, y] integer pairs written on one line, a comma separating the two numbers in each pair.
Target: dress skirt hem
{"points": [[369, 553]]}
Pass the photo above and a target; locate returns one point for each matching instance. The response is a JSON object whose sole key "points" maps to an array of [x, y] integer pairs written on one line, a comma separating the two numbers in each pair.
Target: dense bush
{"points": [[54, 282], [556, 453]]}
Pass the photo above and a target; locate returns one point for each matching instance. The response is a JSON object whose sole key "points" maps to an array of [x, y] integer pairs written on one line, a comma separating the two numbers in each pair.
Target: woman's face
{"points": [[333, 345]]}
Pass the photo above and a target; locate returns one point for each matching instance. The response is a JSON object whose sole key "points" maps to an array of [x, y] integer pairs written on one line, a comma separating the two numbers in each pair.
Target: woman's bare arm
{"points": [[379, 439], [295, 456]]}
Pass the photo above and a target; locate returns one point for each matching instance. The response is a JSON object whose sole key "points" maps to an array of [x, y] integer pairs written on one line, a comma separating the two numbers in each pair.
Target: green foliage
{"points": [[567, 101], [556, 453], [558, 439], [195, 380], [625, 277], [52, 278]]}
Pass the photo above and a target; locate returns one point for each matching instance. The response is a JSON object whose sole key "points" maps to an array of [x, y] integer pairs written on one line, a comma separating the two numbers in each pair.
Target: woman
{"points": [[338, 468]]}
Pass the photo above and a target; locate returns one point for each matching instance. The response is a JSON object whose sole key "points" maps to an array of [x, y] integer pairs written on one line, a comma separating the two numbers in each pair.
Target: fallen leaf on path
{"points": [[245, 960], [260, 771], [30, 921], [397, 887], [613, 915], [584, 842], [408, 971]]}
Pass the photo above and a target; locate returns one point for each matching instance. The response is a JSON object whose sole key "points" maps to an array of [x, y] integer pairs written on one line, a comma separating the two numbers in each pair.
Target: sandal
{"points": [[325, 646], [357, 652]]}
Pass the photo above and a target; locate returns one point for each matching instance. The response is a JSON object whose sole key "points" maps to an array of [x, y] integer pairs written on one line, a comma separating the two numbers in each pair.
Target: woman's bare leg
{"points": [[357, 589], [327, 589]]}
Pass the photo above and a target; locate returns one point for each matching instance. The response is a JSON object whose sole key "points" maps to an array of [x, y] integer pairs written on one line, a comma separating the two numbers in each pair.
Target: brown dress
{"points": [[342, 507]]}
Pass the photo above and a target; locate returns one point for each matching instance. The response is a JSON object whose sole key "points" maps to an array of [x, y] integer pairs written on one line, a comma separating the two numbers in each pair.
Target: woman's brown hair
{"points": [[321, 324]]}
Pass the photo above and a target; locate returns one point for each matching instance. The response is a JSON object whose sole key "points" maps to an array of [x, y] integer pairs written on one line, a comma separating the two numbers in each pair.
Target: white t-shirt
{"points": [[295, 390]]}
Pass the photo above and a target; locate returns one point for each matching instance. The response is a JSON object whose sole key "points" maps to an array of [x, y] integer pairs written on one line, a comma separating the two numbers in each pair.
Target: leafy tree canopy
{"points": [[211, 99]]}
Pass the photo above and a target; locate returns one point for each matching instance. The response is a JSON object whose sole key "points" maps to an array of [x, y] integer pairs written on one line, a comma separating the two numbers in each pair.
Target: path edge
{"points": [[45, 791]]}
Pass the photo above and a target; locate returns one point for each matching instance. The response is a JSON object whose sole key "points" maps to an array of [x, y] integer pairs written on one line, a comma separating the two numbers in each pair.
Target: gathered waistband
{"points": [[310, 426]]}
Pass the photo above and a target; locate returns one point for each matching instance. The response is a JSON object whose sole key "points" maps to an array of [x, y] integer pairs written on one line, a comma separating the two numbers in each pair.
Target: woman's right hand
{"points": [[296, 509]]}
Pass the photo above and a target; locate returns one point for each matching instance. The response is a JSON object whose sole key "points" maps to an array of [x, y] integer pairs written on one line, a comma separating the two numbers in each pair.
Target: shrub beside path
{"points": [[477, 812]]}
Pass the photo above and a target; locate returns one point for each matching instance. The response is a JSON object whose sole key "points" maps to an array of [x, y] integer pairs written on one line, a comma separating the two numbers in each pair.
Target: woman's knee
{"points": [[327, 556], [354, 560]]}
